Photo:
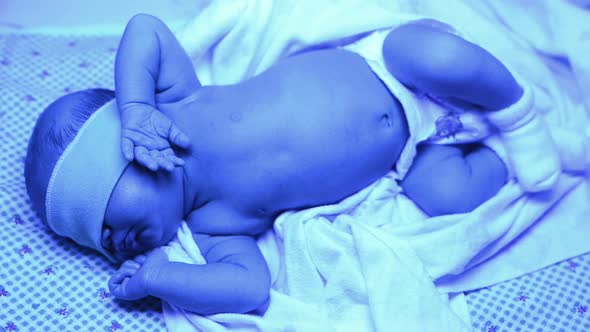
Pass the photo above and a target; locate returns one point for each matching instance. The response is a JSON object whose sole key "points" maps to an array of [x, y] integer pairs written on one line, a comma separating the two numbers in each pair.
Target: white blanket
{"points": [[375, 261]]}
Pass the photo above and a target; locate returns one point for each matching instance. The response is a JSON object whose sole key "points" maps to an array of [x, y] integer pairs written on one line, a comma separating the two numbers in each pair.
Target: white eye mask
{"points": [[84, 178]]}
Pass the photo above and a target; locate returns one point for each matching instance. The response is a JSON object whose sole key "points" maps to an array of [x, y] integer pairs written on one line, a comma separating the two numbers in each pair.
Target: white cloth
{"points": [[375, 262], [230, 40]]}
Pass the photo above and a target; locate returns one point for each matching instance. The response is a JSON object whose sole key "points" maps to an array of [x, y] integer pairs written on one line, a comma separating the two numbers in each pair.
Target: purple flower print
{"points": [[25, 250], [103, 294], [72, 44], [44, 74], [49, 271], [84, 64], [10, 327], [115, 326], [62, 311], [67, 90], [29, 98], [582, 309], [17, 220], [523, 298], [35, 53], [3, 292], [572, 265], [493, 328]]}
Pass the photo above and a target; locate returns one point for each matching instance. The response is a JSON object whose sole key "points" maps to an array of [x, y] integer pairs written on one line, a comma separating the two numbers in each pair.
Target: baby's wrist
{"points": [[152, 282]]}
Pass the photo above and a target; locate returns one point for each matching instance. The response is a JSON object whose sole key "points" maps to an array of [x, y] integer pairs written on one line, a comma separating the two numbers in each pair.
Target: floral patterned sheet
{"points": [[49, 284]]}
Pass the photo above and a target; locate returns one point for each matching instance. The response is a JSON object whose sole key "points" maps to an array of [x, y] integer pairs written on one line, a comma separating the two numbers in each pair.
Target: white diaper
{"points": [[429, 119]]}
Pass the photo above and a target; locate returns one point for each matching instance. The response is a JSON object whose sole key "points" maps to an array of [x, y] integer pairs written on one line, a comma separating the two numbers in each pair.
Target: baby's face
{"points": [[144, 211]]}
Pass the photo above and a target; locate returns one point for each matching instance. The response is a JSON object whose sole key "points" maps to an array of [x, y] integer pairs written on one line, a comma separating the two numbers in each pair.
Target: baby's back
{"points": [[311, 130]]}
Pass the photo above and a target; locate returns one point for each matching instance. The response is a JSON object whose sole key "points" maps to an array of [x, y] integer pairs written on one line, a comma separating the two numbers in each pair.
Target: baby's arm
{"points": [[235, 278], [151, 67], [447, 179]]}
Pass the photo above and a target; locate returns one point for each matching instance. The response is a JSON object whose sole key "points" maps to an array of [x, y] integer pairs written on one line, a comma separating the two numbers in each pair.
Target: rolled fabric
{"points": [[84, 177], [531, 150], [574, 148]]}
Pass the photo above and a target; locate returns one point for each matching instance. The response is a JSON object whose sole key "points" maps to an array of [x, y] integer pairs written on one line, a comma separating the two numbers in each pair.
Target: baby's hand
{"points": [[148, 135], [131, 280]]}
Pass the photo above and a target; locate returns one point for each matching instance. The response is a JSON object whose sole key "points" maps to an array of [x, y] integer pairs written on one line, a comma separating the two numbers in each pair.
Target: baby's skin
{"points": [[311, 130]]}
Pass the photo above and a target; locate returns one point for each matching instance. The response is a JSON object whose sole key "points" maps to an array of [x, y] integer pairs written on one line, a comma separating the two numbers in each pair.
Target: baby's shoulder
{"points": [[221, 218]]}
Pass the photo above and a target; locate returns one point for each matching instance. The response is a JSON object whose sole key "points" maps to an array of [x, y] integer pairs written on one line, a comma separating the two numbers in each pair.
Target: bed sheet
{"points": [[553, 299], [50, 284]]}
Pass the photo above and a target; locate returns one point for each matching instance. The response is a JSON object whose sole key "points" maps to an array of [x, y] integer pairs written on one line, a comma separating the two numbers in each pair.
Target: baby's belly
{"points": [[312, 130]]}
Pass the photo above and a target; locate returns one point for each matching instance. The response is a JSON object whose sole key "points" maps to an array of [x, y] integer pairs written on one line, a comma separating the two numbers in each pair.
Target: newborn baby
{"points": [[311, 130]]}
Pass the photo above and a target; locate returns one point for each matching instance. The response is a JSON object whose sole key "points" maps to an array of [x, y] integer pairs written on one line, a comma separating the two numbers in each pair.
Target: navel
{"points": [[236, 116], [386, 119]]}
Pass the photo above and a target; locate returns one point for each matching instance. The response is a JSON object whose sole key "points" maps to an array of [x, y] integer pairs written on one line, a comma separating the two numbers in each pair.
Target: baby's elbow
{"points": [[142, 18], [261, 292], [143, 23], [254, 288], [254, 297], [261, 298]]}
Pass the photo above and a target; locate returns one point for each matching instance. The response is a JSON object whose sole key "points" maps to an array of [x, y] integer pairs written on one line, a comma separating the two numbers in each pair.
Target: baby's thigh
{"points": [[448, 179], [488, 172]]}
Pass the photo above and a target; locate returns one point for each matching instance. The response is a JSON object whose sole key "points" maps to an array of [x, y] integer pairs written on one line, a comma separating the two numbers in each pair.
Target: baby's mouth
{"points": [[130, 244]]}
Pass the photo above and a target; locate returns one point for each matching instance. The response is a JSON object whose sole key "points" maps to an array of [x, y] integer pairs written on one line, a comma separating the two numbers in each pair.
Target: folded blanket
{"points": [[375, 261]]}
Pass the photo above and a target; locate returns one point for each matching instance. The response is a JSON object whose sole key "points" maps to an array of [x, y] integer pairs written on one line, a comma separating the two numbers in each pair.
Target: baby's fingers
{"points": [[140, 259], [116, 279], [127, 148], [144, 158], [125, 271], [170, 156], [131, 264], [162, 161], [178, 138], [119, 290]]}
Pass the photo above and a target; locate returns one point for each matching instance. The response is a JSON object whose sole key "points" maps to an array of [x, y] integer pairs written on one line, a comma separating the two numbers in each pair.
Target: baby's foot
{"points": [[531, 150]]}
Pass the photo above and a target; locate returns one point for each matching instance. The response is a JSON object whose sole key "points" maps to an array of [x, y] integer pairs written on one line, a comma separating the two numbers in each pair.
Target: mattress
{"points": [[50, 284]]}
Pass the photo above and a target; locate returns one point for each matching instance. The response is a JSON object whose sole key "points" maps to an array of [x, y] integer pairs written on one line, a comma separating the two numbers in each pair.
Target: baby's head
{"points": [[81, 186]]}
